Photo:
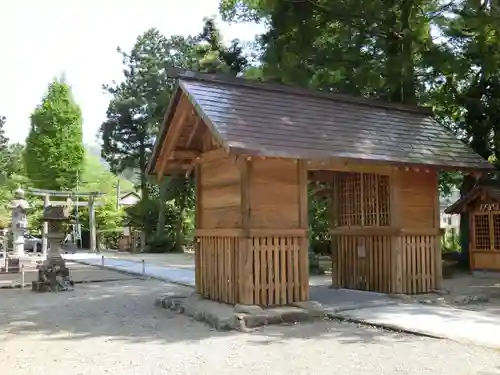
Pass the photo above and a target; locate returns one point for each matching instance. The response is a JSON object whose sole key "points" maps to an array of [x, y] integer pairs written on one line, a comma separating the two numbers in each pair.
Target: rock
{"points": [[426, 301], [403, 297], [441, 292], [468, 299], [313, 308], [248, 309], [296, 316], [170, 300], [479, 298], [440, 301]]}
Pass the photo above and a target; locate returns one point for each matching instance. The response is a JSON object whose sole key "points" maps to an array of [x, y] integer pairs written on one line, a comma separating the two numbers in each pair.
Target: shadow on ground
{"points": [[125, 311]]}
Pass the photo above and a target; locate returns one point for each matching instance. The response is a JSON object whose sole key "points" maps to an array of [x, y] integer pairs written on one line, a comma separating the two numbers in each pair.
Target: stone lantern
{"points": [[19, 206], [53, 275]]}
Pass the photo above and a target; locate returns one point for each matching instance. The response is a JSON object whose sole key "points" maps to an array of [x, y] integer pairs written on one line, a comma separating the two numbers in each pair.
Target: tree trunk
{"points": [[160, 227], [392, 48], [179, 235], [407, 65], [144, 191], [468, 183]]}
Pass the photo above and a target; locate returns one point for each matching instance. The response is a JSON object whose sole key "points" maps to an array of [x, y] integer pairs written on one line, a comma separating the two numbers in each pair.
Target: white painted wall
{"points": [[129, 200]]}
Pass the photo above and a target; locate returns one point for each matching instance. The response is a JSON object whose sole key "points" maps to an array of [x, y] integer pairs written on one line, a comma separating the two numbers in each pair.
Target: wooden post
{"points": [[334, 211], [45, 228], [198, 210], [245, 266], [396, 240], [92, 224], [438, 257], [304, 224]]}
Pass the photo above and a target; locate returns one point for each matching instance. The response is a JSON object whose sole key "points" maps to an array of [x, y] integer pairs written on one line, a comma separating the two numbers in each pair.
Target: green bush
{"points": [[163, 243]]}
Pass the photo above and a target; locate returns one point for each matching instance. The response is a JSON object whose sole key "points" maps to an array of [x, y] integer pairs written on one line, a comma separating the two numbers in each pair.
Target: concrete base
{"points": [[225, 317]]}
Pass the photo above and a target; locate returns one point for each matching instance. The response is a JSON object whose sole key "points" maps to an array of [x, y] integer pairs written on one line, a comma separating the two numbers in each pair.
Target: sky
{"points": [[41, 40]]}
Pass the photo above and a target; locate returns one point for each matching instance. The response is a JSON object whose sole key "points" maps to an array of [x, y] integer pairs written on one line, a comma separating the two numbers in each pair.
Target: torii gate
{"points": [[91, 203]]}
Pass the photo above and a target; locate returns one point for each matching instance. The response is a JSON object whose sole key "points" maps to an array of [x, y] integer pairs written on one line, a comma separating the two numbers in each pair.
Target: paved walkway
{"points": [[479, 328], [182, 276], [378, 309]]}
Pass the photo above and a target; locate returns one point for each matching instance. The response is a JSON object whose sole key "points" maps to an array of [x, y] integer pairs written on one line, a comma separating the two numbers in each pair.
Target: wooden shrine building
{"points": [[482, 204], [253, 147]]}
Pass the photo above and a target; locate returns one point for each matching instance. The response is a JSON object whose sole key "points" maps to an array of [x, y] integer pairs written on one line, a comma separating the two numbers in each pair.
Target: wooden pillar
{"points": [[92, 224], [246, 276], [45, 228], [334, 212], [198, 208], [396, 240], [438, 257], [303, 224]]}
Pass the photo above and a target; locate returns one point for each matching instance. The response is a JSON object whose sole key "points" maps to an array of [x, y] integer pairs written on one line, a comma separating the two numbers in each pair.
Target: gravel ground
{"points": [[114, 328]]}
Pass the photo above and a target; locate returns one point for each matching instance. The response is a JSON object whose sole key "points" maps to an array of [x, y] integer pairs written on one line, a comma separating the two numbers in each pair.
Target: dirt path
{"points": [[113, 328]]}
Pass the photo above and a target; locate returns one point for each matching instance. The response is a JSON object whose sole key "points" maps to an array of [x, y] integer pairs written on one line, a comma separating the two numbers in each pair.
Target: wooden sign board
{"points": [[486, 207]]}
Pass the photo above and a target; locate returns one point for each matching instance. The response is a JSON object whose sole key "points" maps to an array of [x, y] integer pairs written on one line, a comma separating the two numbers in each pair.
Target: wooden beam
{"points": [[184, 154], [93, 238], [78, 204], [213, 155], [438, 255], [334, 223], [294, 232], [303, 224], [172, 135], [64, 194], [321, 167], [397, 240], [245, 176], [193, 132]]}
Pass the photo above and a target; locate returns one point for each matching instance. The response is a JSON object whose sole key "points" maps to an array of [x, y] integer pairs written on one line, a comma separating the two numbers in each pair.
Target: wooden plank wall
{"points": [[421, 243], [417, 200], [369, 271], [220, 194], [273, 192], [418, 264], [252, 231], [277, 224], [400, 256], [217, 262]]}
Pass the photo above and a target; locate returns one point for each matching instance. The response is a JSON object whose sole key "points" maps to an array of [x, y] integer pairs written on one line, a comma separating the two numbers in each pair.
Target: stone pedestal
{"points": [[53, 275]]}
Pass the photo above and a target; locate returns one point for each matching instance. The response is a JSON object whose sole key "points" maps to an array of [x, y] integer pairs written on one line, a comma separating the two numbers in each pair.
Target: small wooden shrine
{"points": [[482, 204], [253, 147]]}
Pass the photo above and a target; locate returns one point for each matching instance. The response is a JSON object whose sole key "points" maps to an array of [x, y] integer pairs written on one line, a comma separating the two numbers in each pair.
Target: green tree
{"points": [[138, 104], [11, 172], [386, 49], [137, 109], [54, 152]]}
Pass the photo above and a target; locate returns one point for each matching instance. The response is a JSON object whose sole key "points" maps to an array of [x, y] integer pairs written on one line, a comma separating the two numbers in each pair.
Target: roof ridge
{"points": [[225, 79]]}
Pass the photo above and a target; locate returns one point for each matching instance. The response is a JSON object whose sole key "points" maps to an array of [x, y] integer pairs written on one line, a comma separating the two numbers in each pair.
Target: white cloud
{"points": [[40, 40]]}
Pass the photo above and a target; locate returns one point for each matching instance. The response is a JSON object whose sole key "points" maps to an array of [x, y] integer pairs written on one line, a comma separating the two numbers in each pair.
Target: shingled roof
{"points": [[489, 189], [275, 120]]}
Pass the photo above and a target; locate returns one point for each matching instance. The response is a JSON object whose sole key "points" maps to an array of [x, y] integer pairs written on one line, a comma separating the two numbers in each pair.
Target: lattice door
{"points": [[363, 199]]}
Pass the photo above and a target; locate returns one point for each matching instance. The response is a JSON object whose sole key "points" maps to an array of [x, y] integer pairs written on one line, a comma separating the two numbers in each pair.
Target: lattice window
{"points": [[496, 230], [482, 232], [363, 199]]}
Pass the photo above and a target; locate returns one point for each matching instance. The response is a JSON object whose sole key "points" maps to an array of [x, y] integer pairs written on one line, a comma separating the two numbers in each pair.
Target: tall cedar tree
{"points": [[386, 49], [54, 153]]}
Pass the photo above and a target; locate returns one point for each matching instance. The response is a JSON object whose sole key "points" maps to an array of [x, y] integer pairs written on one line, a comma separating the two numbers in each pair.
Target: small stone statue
{"points": [[53, 275]]}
